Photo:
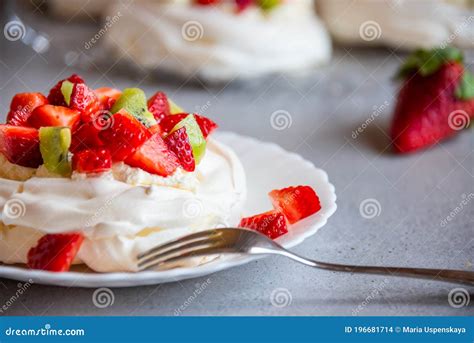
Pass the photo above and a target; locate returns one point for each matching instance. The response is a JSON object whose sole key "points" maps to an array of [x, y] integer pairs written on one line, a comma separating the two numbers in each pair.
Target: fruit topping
{"points": [[22, 106], [123, 135], [133, 100], [174, 109], [20, 145], [196, 139], [54, 147], [95, 160], [66, 90], [86, 136], [154, 157], [295, 203], [272, 223], [206, 125], [159, 106], [107, 96], [50, 115], [435, 97], [56, 97], [55, 252], [85, 101], [178, 143]]}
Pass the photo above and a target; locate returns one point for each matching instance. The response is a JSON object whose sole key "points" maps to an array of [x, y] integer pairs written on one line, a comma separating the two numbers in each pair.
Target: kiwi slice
{"points": [[174, 109], [66, 89], [54, 147], [196, 138], [133, 100]]}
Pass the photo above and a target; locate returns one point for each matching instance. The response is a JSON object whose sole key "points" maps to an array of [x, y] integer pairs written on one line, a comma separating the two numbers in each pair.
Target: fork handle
{"points": [[446, 275]]}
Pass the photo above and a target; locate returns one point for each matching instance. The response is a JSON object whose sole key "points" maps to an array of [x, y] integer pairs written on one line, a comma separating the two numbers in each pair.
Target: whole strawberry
{"points": [[436, 99]]}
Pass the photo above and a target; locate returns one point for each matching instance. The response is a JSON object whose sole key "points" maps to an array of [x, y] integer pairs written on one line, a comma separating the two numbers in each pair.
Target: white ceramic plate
{"points": [[267, 167]]}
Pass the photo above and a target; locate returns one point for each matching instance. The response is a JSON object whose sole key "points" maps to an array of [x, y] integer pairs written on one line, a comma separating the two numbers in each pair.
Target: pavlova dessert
{"points": [[219, 39], [96, 177]]}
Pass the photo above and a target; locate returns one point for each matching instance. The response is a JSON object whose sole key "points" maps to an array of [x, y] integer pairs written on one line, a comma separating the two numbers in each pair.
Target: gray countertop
{"points": [[416, 193]]}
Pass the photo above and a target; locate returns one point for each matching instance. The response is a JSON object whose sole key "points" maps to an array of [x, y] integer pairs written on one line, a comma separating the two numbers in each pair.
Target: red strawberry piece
{"points": [[422, 113], [85, 101], [123, 135], [178, 142], [295, 203], [272, 223], [207, 2], [158, 105], [154, 157], [86, 136], [20, 145], [107, 96], [22, 106], [55, 252], [56, 97], [243, 4], [50, 115], [205, 124], [92, 161]]}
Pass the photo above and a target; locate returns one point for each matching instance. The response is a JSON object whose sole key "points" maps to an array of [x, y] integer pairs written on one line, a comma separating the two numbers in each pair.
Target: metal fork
{"points": [[238, 241]]}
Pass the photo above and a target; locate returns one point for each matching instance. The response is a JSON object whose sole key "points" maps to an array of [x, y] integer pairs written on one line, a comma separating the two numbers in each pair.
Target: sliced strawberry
{"points": [[107, 96], [85, 101], [55, 252], [272, 223], [92, 161], [56, 97], [20, 145], [50, 115], [158, 105], [22, 106], [178, 142], [206, 125], [86, 136], [154, 157], [124, 135], [295, 203]]}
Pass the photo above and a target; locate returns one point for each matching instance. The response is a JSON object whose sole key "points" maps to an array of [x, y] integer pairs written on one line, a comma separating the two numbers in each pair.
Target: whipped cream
{"points": [[119, 219], [217, 43], [400, 23]]}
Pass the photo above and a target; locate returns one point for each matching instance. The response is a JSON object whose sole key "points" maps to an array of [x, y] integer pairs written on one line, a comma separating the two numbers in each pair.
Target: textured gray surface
{"points": [[415, 194]]}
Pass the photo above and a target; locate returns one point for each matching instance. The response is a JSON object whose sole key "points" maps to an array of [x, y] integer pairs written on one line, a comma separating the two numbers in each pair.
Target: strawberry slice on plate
{"points": [[295, 203], [92, 161], [55, 252], [178, 142], [22, 106], [159, 106], [272, 223], [123, 135], [85, 101], [206, 125], [155, 157], [436, 99], [20, 145], [50, 115], [55, 96]]}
